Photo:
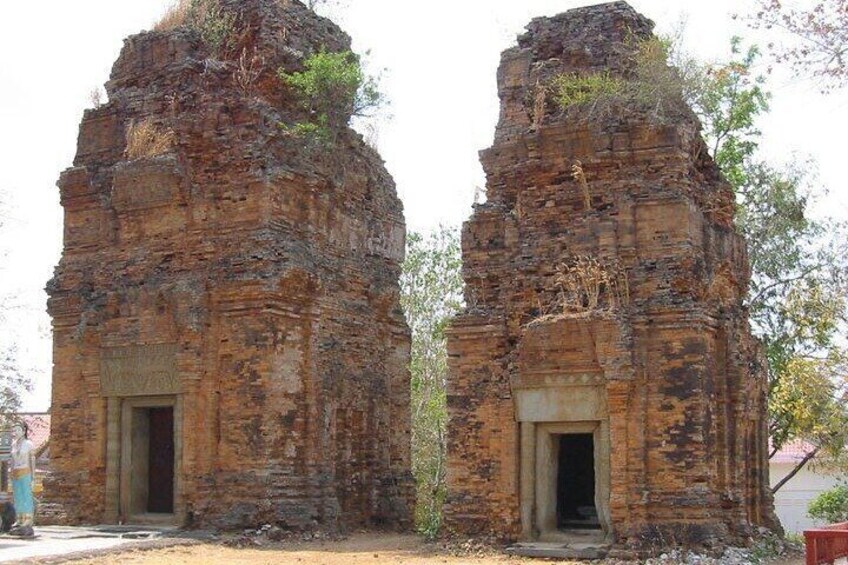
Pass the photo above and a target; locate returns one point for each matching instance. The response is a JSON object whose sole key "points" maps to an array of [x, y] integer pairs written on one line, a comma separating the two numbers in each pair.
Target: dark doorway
{"points": [[576, 483], [160, 477]]}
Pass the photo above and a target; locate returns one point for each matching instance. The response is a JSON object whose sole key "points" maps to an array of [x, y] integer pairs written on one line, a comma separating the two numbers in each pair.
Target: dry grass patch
{"points": [[589, 284], [175, 16], [207, 17], [662, 80], [146, 139]]}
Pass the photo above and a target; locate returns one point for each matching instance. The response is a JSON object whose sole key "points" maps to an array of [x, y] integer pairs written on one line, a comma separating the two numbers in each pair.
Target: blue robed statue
{"points": [[23, 474]]}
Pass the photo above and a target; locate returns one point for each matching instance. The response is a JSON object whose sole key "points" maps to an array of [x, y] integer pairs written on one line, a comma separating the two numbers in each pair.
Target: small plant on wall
{"points": [[332, 88]]}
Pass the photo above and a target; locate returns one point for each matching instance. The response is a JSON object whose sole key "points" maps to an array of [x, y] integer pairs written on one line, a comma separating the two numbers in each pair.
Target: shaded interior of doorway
{"points": [[153, 460], [576, 483]]}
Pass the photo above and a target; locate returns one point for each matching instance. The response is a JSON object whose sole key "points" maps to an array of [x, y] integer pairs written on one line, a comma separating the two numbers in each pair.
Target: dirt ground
{"points": [[360, 549]]}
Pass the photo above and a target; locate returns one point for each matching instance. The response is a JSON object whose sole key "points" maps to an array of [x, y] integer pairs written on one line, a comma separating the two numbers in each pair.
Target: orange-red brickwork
{"points": [[663, 371], [245, 282]]}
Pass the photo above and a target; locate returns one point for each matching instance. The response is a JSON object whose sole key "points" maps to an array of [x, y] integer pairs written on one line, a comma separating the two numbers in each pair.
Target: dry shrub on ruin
{"points": [[248, 70], [661, 81], [145, 139], [588, 284], [175, 16], [95, 97], [579, 176], [665, 79], [207, 17]]}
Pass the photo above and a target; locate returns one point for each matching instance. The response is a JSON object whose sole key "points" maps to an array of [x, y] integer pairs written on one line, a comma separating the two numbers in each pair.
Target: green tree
{"points": [[431, 294], [729, 100], [808, 402], [332, 88], [830, 506], [799, 270]]}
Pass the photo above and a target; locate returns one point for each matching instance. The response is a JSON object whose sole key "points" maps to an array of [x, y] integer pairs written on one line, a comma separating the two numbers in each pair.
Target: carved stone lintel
{"points": [[141, 370]]}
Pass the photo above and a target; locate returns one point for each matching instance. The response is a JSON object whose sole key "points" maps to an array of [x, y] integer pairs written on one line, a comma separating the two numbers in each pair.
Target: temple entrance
{"points": [[149, 445], [575, 486], [152, 477], [565, 482], [160, 473]]}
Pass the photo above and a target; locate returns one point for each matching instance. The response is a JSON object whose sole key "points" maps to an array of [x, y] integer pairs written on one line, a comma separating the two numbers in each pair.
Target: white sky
{"points": [[439, 57]]}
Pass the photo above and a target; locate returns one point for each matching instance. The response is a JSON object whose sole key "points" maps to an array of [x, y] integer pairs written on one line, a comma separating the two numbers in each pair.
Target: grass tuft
{"points": [[145, 139], [175, 16]]}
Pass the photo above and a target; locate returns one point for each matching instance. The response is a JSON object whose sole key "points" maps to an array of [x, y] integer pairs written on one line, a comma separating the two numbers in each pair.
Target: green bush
{"points": [[332, 89], [572, 89], [830, 506], [766, 550]]}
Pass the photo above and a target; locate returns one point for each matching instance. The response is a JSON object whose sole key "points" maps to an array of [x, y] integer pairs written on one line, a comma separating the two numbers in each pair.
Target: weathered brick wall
{"points": [[683, 378], [269, 266]]}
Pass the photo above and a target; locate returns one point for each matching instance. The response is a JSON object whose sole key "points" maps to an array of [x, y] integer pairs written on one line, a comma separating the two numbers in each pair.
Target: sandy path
{"points": [[364, 549], [359, 549]]}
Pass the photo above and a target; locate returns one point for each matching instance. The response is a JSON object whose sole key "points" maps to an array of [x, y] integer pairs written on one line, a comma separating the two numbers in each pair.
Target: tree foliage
{"points": [[332, 88], [820, 49], [13, 382], [431, 294], [830, 506], [729, 100], [799, 264]]}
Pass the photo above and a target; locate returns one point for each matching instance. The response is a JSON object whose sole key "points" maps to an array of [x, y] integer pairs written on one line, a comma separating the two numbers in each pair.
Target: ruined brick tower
{"points": [[229, 344], [603, 377]]}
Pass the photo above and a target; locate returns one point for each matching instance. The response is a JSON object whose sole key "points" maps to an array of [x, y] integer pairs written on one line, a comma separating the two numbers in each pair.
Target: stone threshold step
{"points": [[575, 550]]}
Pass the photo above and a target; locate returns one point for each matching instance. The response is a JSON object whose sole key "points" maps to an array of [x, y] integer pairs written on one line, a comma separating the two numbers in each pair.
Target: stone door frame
{"points": [[547, 467], [119, 460], [565, 405]]}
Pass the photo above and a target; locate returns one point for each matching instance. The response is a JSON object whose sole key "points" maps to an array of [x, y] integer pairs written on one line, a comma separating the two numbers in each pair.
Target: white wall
{"points": [[792, 499]]}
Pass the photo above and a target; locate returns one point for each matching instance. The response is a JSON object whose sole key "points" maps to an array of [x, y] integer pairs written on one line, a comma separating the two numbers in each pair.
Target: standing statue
{"points": [[23, 474]]}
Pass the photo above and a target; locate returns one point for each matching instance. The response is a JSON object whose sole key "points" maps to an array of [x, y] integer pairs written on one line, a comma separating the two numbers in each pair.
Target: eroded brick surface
{"points": [[679, 373], [247, 275]]}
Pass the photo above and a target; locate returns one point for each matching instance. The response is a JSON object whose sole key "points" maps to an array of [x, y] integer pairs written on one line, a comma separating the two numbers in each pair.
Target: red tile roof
{"points": [[39, 428], [793, 452]]}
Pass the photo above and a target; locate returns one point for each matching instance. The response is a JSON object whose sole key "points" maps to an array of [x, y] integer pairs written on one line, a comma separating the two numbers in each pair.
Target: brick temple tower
{"points": [[229, 344], [603, 378]]}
